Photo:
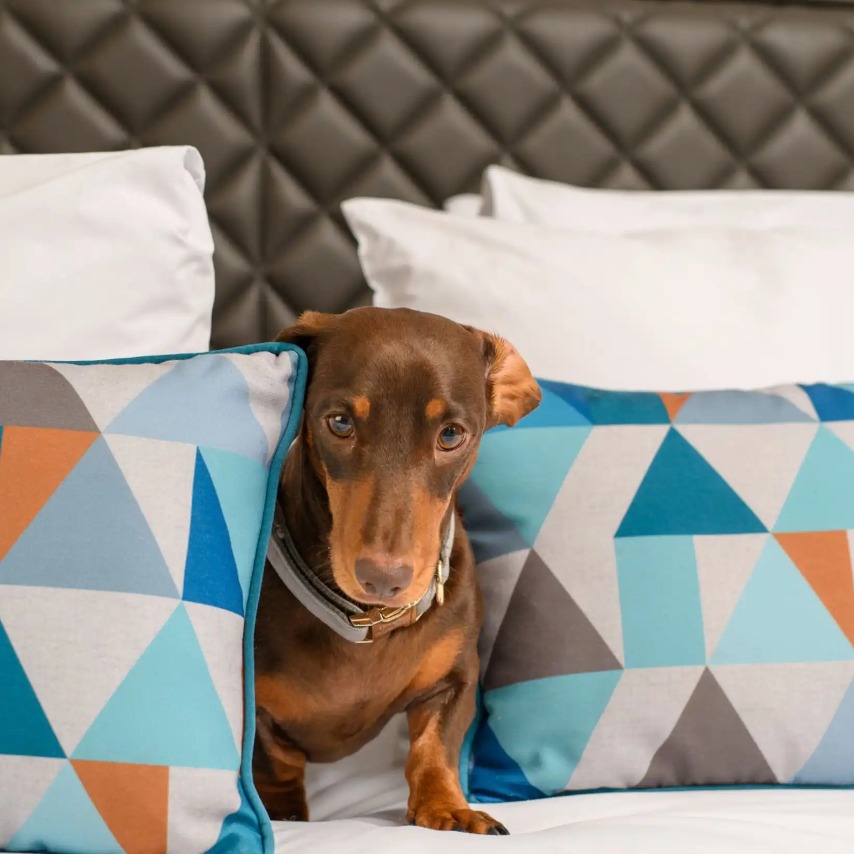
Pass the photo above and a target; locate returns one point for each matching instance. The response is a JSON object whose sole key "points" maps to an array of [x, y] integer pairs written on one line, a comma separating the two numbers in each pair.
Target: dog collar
{"points": [[345, 618]]}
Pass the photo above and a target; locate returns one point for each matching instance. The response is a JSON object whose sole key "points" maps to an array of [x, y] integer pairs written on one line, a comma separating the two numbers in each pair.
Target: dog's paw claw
{"points": [[458, 820]]}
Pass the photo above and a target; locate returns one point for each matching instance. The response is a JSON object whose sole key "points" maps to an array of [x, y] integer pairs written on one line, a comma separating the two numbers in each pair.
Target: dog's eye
{"points": [[451, 437], [340, 425]]}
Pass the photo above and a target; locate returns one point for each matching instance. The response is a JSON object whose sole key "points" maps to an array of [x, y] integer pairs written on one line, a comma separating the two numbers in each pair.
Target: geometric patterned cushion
{"points": [[668, 590], [136, 499]]}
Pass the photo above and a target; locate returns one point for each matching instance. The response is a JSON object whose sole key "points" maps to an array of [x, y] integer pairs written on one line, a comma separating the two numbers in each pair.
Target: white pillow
{"points": [[662, 310], [465, 204], [104, 255], [512, 197]]}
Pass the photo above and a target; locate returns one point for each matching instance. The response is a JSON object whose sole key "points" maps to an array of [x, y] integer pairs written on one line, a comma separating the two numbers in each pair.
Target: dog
{"points": [[372, 607]]}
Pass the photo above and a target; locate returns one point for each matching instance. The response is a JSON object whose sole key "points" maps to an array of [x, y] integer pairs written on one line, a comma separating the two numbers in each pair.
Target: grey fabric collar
{"points": [[350, 621]]}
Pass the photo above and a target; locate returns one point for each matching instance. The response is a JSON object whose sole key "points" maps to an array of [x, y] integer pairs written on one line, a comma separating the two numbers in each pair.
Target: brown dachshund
{"points": [[397, 402]]}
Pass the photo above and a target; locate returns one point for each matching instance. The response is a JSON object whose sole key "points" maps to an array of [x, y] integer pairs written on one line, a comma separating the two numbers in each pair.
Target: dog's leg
{"points": [[279, 773], [437, 727]]}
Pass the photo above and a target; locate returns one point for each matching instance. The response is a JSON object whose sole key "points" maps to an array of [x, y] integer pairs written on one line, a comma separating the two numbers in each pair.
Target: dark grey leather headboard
{"points": [[299, 104]]}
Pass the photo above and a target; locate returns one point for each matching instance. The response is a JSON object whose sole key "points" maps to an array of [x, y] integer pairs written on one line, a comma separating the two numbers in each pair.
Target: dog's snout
{"points": [[384, 582]]}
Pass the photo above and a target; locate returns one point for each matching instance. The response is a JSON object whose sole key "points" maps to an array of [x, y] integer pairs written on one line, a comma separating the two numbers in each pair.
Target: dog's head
{"points": [[396, 405]]}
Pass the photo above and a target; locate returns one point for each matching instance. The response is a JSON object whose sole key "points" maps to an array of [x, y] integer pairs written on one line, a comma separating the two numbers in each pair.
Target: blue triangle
{"points": [[494, 776], [490, 532], [822, 497], [683, 494], [739, 407], [832, 403], [241, 486], [547, 746], [24, 727], [521, 472], [553, 411], [201, 401], [210, 574], [65, 820], [91, 535], [626, 407], [779, 619], [832, 763], [574, 395], [166, 711]]}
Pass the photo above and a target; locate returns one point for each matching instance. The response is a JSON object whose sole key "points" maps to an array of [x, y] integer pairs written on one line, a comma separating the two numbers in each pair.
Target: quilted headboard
{"points": [[299, 104]]}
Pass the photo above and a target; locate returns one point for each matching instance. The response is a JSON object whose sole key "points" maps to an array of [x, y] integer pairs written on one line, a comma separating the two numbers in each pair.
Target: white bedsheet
{"points": [[363, 815]]}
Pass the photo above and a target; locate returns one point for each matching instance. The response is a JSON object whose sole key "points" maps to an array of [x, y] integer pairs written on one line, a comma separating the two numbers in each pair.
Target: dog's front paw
{"points": [[440, 817]]}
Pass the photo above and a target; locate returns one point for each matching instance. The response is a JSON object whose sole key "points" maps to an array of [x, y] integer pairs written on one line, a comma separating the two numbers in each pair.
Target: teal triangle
{"points": [[166, 711], [24, 727], [626, 407], [90, 535], [65, 820], [210, 573], [779, 619], [832, 402], [201, 401], [241, 486], [525, 491], [548, 745], [822, 497], [832, 762], [682, 494], [574, 395]]}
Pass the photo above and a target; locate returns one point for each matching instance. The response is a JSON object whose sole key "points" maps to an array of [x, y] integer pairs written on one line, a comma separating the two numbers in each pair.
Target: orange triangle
{"points": [[133, 800], [824, 560], [673, 402], [33, 462]]}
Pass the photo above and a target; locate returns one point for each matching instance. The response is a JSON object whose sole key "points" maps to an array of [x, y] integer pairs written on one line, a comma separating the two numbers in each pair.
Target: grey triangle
{"points": [[709, 746], [544, 633], [36, 395]]}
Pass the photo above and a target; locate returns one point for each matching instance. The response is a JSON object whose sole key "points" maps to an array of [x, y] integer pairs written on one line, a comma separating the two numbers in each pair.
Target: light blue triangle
{"points": [[166, 711], [65, 820], [522, 471], [241, 486], [201, 401], [832, 763], [738, 407], [822, 497], [779, 619], [548, 745], [90, 535]]}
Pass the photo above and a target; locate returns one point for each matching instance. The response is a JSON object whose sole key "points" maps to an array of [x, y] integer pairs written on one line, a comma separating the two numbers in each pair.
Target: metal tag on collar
{"points": [[440, 585]]}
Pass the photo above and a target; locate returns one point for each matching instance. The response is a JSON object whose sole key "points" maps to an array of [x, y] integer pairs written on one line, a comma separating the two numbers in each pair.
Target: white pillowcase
{"points": [[662, 310], [465, 204], [105, 255], [512, 197]]}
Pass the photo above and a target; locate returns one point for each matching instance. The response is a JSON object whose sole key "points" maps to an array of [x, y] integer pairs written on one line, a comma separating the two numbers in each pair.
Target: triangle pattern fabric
{"points": [[796, 396], [673, 402], [724, 564], [496, 774], [708, 746], [160, 476], [524, 494], [779, 619], [822, 498], [547, 628], [824, 559], [210, 574], [65, 820], [184, 722], [36, 395], [761, 464], [33, 462], [683, 494], [833, 759], [107, 643], [739, 407], [133, 801], [763, 697], [553, 411], [95, 489], [23, 783], [24, 728], [832, 402]]}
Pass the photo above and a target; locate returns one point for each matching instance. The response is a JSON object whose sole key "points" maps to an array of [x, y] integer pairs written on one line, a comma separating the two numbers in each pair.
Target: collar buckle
{"points": [[380, 616]]}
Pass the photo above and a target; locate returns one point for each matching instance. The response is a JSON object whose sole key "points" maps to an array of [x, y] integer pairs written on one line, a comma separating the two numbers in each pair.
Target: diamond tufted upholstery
{"points": [[298, 104]]}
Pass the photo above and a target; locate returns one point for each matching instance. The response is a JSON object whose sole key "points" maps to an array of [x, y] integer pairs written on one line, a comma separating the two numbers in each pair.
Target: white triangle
{"points": [[628, 733], [23, 783], [160, 476], [88, 641], [220, 636], [724, 563], [594, 498], [795, 395], [759, 461], [196, 797], [786, 707], [843, 429], [108, 389]]}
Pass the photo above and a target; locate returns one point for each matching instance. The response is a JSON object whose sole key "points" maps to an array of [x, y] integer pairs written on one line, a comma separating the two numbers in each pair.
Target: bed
{"points": [[297, 106]]}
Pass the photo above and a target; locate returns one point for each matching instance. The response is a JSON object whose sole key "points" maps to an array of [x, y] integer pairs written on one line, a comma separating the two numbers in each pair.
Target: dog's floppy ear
{"points": [[512, 391], [309, 325]]}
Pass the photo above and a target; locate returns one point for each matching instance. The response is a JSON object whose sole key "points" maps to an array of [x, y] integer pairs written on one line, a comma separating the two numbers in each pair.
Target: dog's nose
{"points": [[384, 582]]}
